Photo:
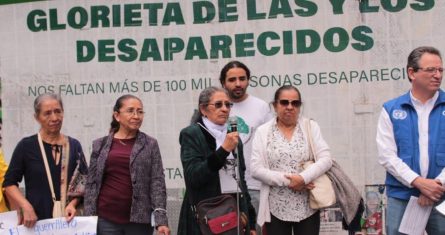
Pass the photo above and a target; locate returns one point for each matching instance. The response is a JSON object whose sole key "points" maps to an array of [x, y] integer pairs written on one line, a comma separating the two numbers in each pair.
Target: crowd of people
{"points": [[259, 162]]}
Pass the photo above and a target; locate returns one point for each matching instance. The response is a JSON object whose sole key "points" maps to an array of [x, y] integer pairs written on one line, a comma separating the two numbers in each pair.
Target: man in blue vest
{"points": [[411, 142]]}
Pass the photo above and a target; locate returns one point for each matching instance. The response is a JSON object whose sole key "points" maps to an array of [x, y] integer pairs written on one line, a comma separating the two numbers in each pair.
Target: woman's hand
{"points": [[253, 232], [27, 215], [70, 210], [309, 186], [163, 230], [296, 182], [25, 212], [231, 141]]}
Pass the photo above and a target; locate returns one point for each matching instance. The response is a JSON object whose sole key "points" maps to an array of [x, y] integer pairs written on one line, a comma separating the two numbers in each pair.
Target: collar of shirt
{"points": [[429, 103]]}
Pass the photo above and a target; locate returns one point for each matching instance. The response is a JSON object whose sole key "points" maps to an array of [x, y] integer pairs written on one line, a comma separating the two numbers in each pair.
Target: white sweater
{"points": [[260, 165]]}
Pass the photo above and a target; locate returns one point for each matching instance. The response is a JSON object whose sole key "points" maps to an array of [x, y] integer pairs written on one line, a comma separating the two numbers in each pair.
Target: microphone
{"points": [[233, 123]]}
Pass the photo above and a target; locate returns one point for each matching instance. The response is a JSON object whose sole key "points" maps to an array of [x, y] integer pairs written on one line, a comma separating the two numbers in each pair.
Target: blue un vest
{"points": [[405, 126]]}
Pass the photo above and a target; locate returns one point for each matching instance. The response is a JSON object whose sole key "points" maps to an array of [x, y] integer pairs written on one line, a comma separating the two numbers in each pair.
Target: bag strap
{"points": [[45, 161], [310, 140], [64, 172]]}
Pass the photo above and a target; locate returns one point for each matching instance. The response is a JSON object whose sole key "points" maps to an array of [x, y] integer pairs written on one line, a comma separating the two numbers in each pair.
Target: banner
{"points": [[81, 225], [346, 57]]}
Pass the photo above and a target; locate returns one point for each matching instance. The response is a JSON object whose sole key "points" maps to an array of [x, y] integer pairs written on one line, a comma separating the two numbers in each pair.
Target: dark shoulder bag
{"points": [[218, 215]]}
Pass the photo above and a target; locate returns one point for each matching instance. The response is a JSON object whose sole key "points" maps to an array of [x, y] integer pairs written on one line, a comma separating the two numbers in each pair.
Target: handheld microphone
{"points": [[233, 123]]}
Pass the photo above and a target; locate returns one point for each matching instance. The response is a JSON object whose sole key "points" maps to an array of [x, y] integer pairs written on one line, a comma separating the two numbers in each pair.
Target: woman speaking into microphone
{"points": [[207, 156]]}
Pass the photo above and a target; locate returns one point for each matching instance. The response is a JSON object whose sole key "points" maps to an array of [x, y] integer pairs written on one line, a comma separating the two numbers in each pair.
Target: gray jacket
{"points": [[147, 176]]}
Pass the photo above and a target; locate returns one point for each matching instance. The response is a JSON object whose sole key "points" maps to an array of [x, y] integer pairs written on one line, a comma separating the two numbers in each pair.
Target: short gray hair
{"points": [[414, 57], [204, 99], [46, 96]]}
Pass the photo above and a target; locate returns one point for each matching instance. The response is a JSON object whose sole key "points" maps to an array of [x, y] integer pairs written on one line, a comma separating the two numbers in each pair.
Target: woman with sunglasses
{"points": [[208, 152], [126, 185], [279, 149]]}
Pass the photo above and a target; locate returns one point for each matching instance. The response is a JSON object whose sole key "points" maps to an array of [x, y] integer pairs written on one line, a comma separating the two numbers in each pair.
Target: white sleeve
{"points": [[441, 177], [387, 150], [268, 113], [324, 160], [258, 163]]}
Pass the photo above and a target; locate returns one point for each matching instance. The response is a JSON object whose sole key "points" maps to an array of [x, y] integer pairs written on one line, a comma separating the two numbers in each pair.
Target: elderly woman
{"points": [[126, 184], [206, 154], [280, 146], [47, 160]]}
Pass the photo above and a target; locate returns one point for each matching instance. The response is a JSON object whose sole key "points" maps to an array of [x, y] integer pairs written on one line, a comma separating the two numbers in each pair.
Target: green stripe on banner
{"points": [[6, 2]]}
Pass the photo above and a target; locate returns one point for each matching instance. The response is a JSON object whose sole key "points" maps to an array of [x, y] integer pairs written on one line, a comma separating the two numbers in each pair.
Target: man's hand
{"points": [[430, 188], [424, 201]]}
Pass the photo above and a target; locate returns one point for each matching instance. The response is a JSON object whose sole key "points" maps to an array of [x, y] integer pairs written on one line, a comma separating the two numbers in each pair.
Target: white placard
{"points": [[415, 218], [441, 208], [83, 225], [8, 220]]}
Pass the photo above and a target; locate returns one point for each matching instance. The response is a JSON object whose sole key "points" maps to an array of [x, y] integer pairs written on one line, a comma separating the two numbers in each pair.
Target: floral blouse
{"points": [[287, 156]]}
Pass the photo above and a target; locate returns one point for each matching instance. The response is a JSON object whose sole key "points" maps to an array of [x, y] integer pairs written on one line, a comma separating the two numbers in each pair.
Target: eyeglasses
{"points": [[294, 103], [432, 69], [132, 112], [219, 104]]}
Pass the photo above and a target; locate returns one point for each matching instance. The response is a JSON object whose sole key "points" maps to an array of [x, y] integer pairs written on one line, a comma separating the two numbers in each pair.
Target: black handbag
{"points": [[218, 215]]}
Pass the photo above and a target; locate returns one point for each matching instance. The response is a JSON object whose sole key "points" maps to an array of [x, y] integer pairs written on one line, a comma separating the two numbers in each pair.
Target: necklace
{"points": [[122, 142], [125, 138]]}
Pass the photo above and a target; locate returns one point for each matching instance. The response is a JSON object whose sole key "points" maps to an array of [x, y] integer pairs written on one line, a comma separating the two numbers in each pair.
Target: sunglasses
{"points": [[219, 104], [294, 103]]}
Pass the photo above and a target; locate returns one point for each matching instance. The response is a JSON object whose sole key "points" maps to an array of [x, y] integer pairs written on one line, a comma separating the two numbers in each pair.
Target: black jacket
{"points": [[201, 163]]}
